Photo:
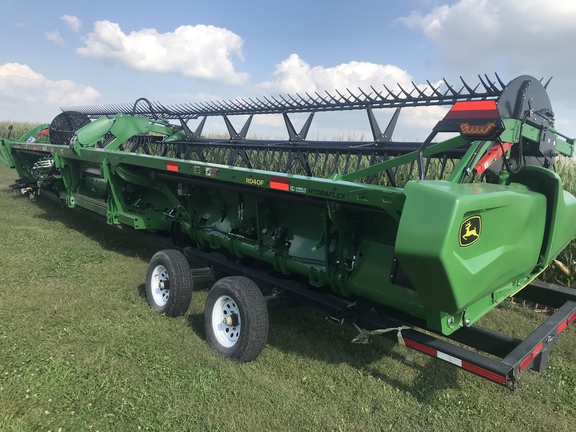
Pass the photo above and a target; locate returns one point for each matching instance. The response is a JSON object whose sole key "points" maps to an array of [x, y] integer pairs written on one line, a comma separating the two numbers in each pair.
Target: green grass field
{"points": [[80, 350]]}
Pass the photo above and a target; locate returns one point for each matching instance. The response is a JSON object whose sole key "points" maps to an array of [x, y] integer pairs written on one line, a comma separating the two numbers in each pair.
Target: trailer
{"points": [[413, 241]]}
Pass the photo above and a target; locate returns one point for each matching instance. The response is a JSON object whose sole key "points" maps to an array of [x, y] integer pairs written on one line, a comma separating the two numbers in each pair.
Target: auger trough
{"points": [[415, 241]]}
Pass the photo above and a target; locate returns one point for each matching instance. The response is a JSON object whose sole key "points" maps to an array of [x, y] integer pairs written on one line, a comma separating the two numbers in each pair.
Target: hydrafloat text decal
{"points": [[326, 194]]}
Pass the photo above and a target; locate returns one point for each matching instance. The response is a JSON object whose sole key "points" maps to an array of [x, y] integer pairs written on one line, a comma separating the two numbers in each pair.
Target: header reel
{"points": [[480, 113]]}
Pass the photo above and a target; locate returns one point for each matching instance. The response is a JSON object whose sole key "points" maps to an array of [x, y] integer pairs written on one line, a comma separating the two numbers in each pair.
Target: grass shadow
{"points": [[196, 323], [142, 291], [306, 333], [125, 241], [303, 332]]}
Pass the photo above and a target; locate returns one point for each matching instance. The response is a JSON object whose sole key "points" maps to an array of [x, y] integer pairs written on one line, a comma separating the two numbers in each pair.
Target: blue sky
{"points": [[61, 53]]}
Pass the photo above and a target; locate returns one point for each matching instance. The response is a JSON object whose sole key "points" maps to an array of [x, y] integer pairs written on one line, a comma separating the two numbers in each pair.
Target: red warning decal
{"points": [[473, 110], [172, 166], [279, 183]]}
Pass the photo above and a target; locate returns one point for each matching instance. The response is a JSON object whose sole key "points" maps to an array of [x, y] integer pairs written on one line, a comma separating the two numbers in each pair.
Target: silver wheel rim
{"points": [[160, 291], [224, 309]]}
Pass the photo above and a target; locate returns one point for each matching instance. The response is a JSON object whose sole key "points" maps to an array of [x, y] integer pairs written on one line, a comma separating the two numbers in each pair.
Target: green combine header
{"points": [[384, 234]]}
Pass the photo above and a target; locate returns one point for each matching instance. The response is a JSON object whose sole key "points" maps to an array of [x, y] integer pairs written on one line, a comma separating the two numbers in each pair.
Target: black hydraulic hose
{"points": [[506, 163], [420, 159], [520, 148], [149, 106]]}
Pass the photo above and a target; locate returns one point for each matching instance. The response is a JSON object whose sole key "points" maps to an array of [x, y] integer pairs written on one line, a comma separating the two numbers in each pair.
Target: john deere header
{"points": [[436, 232]]}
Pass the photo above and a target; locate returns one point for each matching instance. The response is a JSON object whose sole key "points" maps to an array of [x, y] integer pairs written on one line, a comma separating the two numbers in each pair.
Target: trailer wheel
{"points": [[169, 283], [236, 318]]}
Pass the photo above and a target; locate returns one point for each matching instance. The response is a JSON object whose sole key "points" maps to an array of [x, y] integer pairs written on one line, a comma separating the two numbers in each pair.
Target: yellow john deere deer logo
{"points": [[470, 231]]}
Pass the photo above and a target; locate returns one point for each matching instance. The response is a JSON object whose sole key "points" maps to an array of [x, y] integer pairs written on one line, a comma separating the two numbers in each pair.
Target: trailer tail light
{"points": [[531, 356], [527, 360], [561, 327], [572, 317], [485, 373], [537, 350]]}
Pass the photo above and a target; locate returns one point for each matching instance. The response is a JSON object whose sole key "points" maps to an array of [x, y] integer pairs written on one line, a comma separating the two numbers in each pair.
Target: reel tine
{"points": [[377, 93], [502, 84], [450, 89], [420, 92], [492, 86], [470, 90], [390, 93], [434, 90], [408, 95], [483, 83]]}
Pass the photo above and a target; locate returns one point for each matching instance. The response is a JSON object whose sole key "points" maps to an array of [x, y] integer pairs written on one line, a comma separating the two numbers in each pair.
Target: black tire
{"points": [[169, 283], [239, 300]]}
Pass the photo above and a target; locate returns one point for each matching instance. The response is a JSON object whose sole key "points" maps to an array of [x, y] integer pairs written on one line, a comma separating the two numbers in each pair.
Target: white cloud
{"points": [[512, 37], [55, 36], [29, 95], [521, 36], [184, 97], [515, 30], [72, 22], [199, 51], [519, 19], [294, 75]]}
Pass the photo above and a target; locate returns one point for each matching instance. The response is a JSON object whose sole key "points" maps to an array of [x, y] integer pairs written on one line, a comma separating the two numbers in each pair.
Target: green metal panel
{"points": [[460, 242], [560, 208], [93, 132], [5, 154]]}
